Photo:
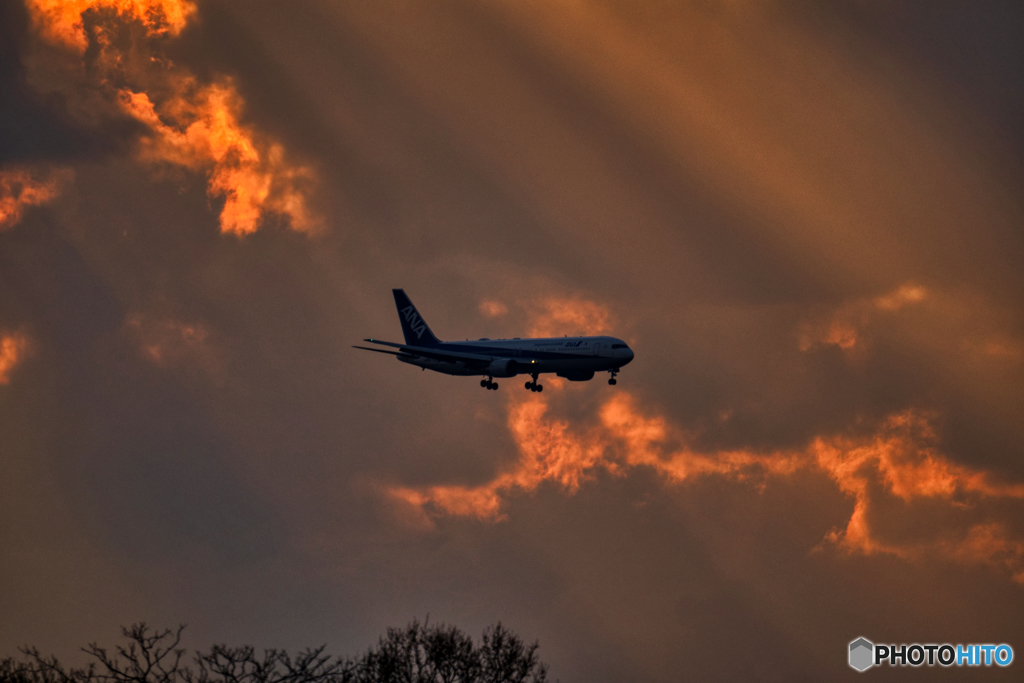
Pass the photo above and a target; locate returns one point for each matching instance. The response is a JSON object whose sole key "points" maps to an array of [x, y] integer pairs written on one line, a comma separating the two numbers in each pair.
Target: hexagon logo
{"points": [[862, 654]]}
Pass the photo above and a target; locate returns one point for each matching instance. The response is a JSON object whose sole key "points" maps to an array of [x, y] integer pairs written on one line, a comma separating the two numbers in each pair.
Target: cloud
{"points": [[988, 543], [620, 440], [199, 130], [569, 315], [1004, 348], [893, 471], [845, 326], [21, 188], [966, 337], [13, 346], [493, 309], [900, 297], [61, 21], [167, 343], [900, 460], [185, 123]]}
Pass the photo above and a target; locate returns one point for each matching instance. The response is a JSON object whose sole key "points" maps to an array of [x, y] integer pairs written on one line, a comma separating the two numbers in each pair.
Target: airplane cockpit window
{"points": [[619, 346]]}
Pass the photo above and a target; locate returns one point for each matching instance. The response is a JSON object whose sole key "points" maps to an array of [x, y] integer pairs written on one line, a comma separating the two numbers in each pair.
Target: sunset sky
{"points": [[806, 218]]}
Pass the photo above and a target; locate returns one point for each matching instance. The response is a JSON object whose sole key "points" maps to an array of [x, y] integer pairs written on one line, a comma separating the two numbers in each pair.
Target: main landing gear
{"points": [[533, 386], [489, 383], [614, 372]]}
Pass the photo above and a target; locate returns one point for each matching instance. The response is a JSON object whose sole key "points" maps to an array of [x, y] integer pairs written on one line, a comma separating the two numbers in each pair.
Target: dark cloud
{"points": [[37, 125], [976, 54]]}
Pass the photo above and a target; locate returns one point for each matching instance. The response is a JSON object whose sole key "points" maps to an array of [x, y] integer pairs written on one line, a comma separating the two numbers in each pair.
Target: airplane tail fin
{"points": [[414, 327]]}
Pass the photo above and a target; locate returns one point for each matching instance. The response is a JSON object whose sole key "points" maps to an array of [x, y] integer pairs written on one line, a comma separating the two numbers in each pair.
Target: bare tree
{"points": [[506, 659], [419, 653], [151, 657]]}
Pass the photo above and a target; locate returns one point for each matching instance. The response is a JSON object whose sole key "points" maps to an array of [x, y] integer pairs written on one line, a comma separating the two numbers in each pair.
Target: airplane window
{"points": [[619, 346]]}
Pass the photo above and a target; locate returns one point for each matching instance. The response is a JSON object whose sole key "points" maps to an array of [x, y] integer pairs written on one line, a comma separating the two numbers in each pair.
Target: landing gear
{"points": [[613, 381], [489, 383], [533, 386]]}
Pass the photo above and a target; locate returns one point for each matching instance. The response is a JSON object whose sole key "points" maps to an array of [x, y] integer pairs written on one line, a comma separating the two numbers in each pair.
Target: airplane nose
{"points": [[629, 355]]}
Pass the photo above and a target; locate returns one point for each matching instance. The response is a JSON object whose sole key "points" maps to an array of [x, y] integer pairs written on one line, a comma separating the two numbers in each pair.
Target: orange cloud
{"points": [[20, 189], [171, 343], [482, 502], [189, 125], [13, 347], [900, 461], [622, 439], [1006, 349], [549, 450], [900, 297], [638, 436], [557, 316], [894, 472], [198, 129], [988, 543], [845, 326], [493, 309], [60, 21]]}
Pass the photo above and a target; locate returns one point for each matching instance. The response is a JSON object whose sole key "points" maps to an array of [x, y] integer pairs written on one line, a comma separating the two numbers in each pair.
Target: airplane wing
{"points": [[428, 352]]}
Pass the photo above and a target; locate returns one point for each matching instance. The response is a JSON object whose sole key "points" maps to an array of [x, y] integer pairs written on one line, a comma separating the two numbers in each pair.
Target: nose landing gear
{"points": [[612, 380], [533, 386], [489, 383]]}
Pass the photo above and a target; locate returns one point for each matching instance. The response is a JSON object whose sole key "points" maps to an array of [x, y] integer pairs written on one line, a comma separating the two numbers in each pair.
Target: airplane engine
{"points": [[578, 375], [503, 368]]}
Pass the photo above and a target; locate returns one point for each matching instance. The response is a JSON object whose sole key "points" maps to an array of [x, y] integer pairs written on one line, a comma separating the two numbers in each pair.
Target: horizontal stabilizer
{"points": [[439, 353], [393, 353]]}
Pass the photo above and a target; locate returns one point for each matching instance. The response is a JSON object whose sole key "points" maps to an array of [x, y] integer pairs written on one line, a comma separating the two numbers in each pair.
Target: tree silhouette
{"points": [[418, 653]]}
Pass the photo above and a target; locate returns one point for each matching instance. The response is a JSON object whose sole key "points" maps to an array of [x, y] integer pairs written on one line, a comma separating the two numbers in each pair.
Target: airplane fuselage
{"points": [[571, 357]]}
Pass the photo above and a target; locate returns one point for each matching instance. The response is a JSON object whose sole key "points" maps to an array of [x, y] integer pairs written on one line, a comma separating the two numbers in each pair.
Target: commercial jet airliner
{"points": [[574, 358]]}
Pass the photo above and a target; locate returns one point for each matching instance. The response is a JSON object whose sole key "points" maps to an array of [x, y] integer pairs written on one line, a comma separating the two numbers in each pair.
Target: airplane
{"points": [[574, 358]]}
